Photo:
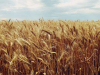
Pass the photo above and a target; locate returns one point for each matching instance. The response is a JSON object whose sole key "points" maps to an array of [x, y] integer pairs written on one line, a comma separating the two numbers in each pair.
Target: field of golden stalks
{"points": [[49, 47]]}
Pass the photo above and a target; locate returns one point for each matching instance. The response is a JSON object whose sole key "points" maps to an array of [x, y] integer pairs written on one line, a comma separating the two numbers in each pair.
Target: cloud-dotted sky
{"points": [[50, 9]]}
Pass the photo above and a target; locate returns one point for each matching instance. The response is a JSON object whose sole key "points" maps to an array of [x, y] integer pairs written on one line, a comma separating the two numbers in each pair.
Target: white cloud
{"points": [[83, 11], [87, 10], [32, 4], [70, 12], [97, 5], [78, 6], [19, 4], [6, 9], [71, 3]]}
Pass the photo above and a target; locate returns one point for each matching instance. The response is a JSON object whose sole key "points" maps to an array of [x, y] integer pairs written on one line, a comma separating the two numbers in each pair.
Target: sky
{"points": [[50, 9]]}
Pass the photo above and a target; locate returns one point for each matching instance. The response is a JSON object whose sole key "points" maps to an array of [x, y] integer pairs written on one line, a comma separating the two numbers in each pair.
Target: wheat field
{"points": [[49, 47]]}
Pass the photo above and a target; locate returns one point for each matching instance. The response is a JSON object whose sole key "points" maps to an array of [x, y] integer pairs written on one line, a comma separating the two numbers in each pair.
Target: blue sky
{"points": [[50, 9]]}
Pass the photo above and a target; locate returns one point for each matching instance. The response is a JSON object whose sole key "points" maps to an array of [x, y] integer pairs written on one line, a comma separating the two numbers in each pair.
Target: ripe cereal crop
{"points": [[49, 47]]}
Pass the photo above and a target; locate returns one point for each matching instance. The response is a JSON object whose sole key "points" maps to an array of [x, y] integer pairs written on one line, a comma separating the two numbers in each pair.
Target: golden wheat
{"points": [[49, 47]]}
